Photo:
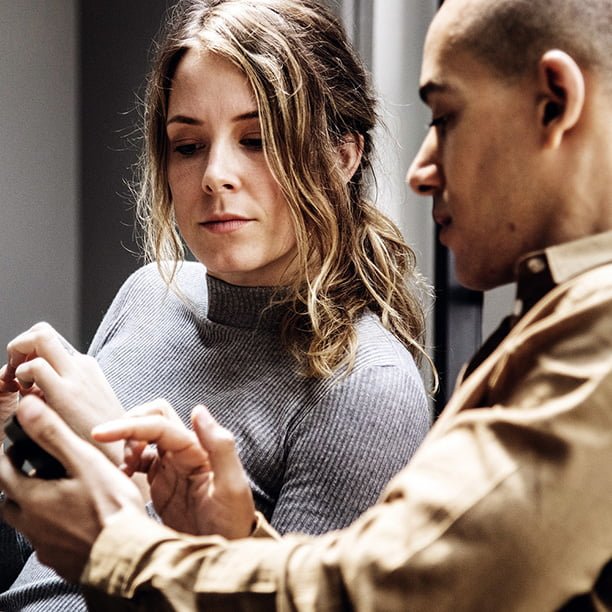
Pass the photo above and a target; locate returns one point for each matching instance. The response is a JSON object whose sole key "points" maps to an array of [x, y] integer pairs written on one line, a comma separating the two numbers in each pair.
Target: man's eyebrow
{"points": [[429, 88], [254, 114]]}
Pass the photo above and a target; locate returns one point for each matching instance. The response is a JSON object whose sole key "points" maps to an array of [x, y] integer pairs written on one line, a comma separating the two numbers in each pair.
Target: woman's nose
{"points": [[220, 173]]}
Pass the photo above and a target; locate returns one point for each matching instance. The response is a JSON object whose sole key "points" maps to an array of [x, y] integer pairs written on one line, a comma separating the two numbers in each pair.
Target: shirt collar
{"points": [[245, 307], [539, 272]]}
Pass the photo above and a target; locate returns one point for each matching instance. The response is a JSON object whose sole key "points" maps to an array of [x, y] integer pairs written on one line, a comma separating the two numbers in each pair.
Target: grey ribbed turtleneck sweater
{"points": [[318, 453]]}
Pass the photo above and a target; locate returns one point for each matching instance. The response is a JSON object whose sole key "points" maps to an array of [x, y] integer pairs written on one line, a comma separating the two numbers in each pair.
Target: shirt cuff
{"points": [[124, 540], [263, 529]]}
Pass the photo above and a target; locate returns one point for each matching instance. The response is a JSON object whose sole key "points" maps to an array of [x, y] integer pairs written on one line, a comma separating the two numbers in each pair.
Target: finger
{"points": [[159, 407], [32, 390], [37, 371], [151, 429], [170, 437], [221, 447], [134, 449], [10, 478], [137, 457], [43, 341], [6, 374], [8, 384], [48, 429], [20, 488], [15, 358], [10, 513]]}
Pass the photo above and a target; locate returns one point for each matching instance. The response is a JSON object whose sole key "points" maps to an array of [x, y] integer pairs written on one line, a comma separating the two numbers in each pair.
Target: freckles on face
{"points": [[228, 206]]}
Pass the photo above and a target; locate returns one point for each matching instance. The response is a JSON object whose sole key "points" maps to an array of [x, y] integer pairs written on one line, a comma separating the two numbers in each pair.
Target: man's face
{"points": [[481, 160]]}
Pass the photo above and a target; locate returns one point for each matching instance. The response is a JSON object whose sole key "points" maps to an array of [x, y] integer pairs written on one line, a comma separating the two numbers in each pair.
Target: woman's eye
{"points": [[255, 144], [188, 149]]}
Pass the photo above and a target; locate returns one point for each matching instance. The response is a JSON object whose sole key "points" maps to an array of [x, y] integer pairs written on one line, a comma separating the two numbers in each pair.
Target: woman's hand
{"points": [[197, 482], [44, 363], [9, 397]]}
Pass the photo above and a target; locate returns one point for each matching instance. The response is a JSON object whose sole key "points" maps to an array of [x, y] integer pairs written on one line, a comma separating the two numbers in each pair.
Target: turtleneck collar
{"points": [[243, 307]]}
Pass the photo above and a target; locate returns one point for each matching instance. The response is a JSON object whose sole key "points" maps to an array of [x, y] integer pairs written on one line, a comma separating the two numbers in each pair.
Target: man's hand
{"points": [[198, 484], [62, 518], [72, 383]]}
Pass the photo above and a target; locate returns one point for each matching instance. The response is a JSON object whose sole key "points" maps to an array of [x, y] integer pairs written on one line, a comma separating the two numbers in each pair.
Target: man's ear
{"points": [[562, 90], [350, 151]]}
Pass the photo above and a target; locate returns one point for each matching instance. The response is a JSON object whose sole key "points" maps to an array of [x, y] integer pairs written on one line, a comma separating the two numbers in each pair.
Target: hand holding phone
{"points": [[27, 456]]}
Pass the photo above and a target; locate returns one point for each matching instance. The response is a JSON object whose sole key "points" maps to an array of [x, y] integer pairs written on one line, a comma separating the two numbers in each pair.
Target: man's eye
{"points": [[255, 144], [439, 122]]}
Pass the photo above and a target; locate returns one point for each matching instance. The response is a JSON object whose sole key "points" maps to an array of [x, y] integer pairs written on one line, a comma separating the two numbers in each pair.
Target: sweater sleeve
{"points": [[342, 453], [115, 313], [14, 552]]}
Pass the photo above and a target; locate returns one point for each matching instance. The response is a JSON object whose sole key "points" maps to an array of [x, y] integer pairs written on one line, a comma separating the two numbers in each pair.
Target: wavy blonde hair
{"points": [[313, 94]]}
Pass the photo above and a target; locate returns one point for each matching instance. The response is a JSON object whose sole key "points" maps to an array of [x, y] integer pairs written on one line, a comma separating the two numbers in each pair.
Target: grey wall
{"points": [[398, 32], [70, 74], [115, 41], [38, 166], [399, 29]]}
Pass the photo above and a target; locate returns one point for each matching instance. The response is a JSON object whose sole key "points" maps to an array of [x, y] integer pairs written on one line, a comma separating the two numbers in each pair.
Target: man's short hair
{"points": [[512, 35]]}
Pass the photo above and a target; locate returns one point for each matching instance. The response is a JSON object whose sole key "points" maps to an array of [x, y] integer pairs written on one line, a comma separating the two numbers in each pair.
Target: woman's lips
{"points": [[224, 226]]}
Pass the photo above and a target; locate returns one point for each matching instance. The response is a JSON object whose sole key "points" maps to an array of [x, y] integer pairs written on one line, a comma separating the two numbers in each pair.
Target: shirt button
{"points": [[536, 265]]}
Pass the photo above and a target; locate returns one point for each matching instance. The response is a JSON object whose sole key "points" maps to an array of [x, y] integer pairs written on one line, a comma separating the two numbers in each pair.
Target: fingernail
{"points": [[103, 428], [201, 414]]}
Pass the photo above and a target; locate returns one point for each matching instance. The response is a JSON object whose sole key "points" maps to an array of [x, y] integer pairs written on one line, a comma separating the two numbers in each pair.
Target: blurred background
{"points": [[71, 73]]}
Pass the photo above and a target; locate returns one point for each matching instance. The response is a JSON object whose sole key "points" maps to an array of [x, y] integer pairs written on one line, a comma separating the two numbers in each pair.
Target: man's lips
{"points": [[444, 221], [441, 218]]}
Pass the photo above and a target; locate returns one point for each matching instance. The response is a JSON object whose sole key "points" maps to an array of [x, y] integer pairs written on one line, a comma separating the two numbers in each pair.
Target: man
{"points": [[506, 506]]}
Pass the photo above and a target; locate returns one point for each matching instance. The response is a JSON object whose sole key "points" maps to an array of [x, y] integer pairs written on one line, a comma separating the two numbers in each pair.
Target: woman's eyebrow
{"points": [[254, 114], [183, 119]]}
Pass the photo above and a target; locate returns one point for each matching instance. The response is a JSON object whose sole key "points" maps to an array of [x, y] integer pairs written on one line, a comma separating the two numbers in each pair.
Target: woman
{"points": [[299, 323]]}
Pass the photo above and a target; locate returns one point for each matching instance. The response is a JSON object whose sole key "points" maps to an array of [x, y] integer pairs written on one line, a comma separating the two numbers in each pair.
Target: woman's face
{"points": [[228, 206]]}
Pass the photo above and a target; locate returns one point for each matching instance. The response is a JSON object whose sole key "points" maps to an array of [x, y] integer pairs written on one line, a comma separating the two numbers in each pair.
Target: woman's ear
{"points": [[350, 151], [562, 90]]}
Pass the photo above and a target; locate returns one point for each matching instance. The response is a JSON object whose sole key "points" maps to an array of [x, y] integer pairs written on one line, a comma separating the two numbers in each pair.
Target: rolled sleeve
{"points": [[505, 506]]}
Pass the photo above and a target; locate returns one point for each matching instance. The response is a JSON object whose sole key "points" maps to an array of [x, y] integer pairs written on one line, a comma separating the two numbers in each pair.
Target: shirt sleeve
{"points": [[505, 506], [343, 452]]}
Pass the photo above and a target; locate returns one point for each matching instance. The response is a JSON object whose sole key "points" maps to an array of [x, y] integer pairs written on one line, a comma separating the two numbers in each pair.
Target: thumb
{"points": [[221, 447], [46, 427]]}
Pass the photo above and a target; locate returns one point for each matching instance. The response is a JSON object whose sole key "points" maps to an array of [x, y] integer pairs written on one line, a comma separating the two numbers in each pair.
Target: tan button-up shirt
{"points": [[507, 505]]}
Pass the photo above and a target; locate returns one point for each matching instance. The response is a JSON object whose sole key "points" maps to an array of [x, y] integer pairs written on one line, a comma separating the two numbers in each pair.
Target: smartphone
{"points": [[27, 456]]}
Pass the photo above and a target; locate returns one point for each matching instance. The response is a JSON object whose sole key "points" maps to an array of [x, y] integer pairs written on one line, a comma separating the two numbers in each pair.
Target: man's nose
{"points": [[424, 175]]}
